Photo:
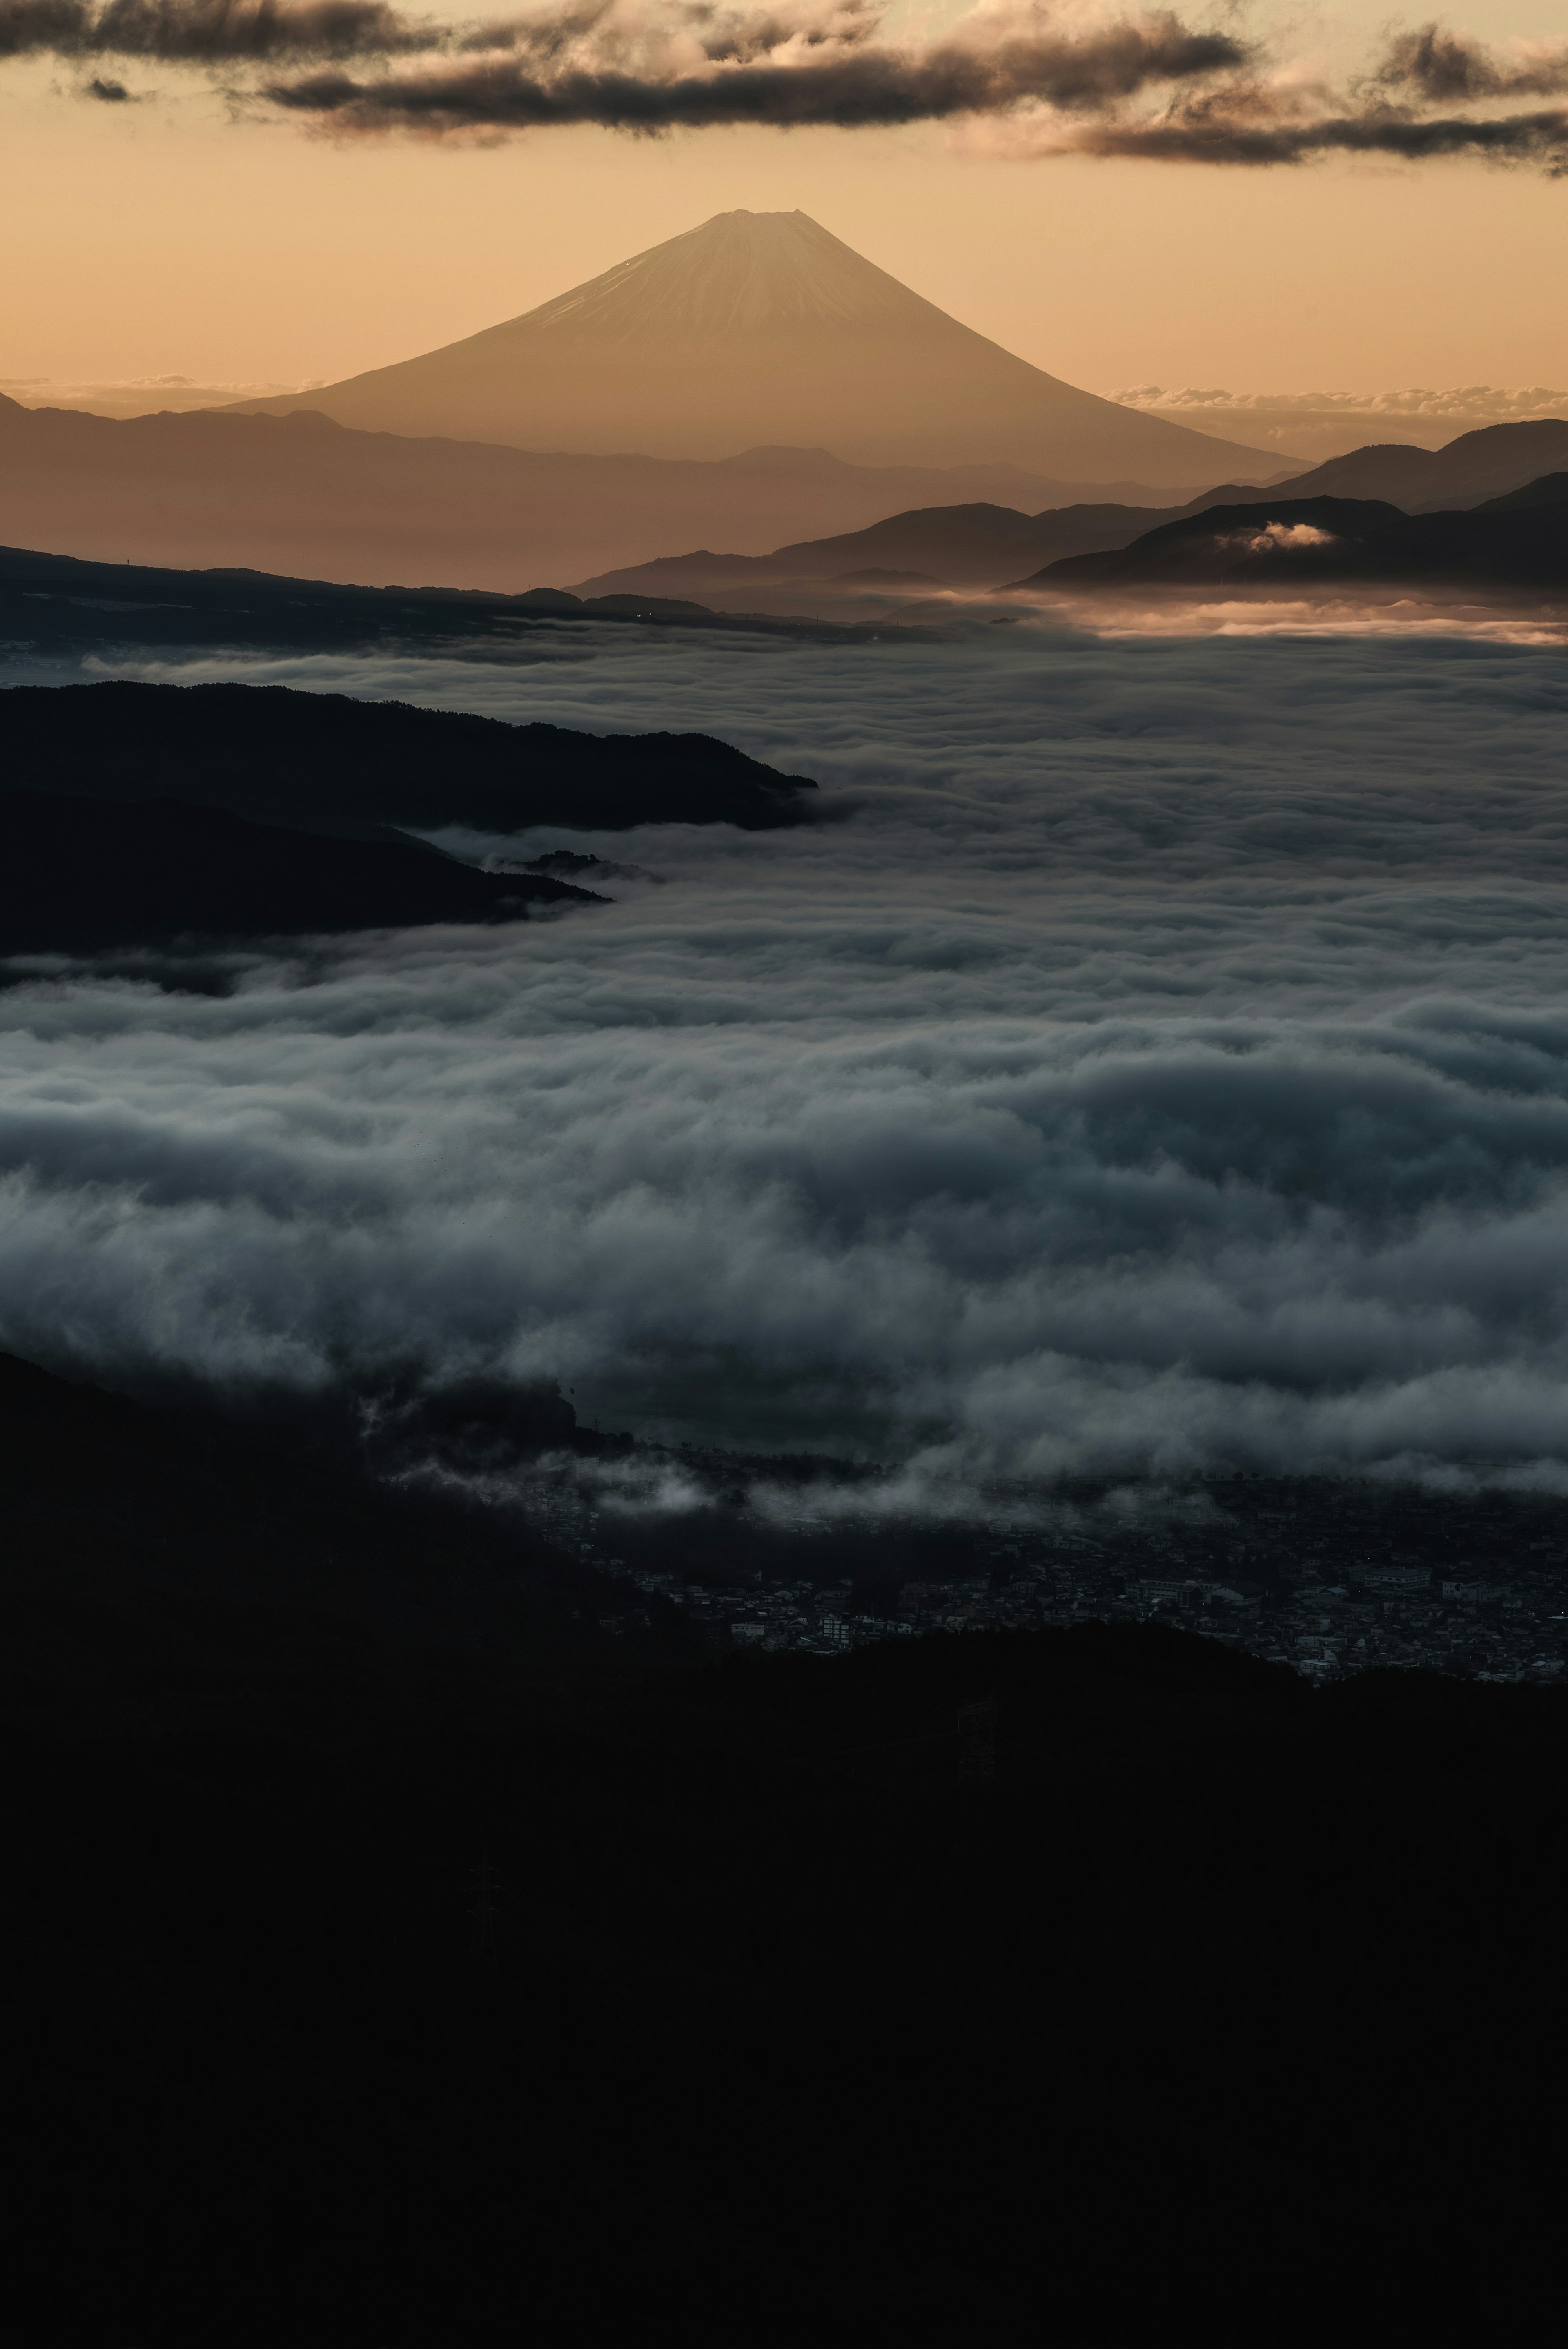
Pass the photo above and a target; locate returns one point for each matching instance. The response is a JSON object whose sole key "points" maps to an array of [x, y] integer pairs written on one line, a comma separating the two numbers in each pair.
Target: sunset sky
{"points": [[175, 234]]}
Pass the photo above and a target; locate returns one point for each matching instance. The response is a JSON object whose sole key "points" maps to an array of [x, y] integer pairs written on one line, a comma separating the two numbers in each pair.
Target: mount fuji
{"points": [[759, 329]]}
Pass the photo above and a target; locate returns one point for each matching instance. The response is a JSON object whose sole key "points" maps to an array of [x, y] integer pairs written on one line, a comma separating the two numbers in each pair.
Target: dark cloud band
{"points": [[856, 88]]}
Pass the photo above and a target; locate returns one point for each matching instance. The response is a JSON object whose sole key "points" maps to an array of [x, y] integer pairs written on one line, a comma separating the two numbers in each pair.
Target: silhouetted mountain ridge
{"points": [[55, 606], [1476, 467], [1297, 544], [979, 545], [1551, 489], [80, 874], [962, 545], [301, 494], [321, 763]]}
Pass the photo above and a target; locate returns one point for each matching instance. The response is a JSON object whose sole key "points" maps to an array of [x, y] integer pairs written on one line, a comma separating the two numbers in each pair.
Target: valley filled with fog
{"points": [[1153, 1056]]}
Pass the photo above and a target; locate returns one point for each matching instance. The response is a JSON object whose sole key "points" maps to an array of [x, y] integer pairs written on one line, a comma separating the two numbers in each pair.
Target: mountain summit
{"points": [[761, 328]]}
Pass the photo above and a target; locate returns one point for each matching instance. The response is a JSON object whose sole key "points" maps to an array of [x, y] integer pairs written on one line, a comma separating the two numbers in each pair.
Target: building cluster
{"points": [[1330, 1577]]}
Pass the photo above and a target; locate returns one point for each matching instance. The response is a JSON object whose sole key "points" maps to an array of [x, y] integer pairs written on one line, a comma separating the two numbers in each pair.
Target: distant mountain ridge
{"points": [[958, 545], [762, 327], [1483, 464], [305, 496], [58, 607], [979, 545]]}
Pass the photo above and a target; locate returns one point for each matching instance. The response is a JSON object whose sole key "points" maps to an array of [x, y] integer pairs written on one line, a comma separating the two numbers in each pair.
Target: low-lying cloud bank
{"points": [[1323, 424], [1467, 408], [1027, 78], [1162, 1062]]}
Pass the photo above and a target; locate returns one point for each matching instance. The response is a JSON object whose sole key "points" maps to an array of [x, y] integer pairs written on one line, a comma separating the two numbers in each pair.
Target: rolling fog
{"points": [[1156, 1057]]}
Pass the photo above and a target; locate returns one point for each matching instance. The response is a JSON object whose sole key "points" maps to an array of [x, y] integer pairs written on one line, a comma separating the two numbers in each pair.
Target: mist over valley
{"points": [[1141, 1062]]}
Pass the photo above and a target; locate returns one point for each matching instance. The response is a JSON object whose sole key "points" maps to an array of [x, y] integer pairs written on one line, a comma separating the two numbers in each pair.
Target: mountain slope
{"points": [[761, 326], [1551, 489]]}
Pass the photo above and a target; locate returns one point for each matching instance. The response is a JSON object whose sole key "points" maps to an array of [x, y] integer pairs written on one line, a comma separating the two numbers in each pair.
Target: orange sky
{"points": [[165, 238]]}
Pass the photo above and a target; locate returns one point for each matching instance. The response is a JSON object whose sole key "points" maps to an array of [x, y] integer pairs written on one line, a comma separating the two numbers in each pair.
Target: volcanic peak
{"points": [[760, 328], [741, 272]]}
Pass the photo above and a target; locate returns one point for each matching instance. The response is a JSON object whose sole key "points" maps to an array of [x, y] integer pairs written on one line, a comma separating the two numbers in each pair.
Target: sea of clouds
{"points": [[1318, 425], [1156, 1057]]}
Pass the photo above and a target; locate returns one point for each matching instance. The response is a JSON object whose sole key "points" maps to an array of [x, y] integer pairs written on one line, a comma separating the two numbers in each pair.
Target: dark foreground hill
{"points": [[418, 1972], [82, 875], [1297, 546], [460, 2006], [1551, 489], [273, 1505], [324, 762]]}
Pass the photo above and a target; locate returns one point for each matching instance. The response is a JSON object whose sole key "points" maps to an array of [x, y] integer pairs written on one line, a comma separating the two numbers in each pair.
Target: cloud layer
{"points": [[1162, 1062], [1027, 78]]}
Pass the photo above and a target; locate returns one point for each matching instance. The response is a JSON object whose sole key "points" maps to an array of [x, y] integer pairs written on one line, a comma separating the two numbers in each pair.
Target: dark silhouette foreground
{"points": [[82, 875], [372, 1984], [327, 763]]}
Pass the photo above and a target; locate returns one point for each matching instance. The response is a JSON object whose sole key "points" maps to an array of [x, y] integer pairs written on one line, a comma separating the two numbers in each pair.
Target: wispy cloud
{"points": [[1444, 69], [1249, 127]]}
